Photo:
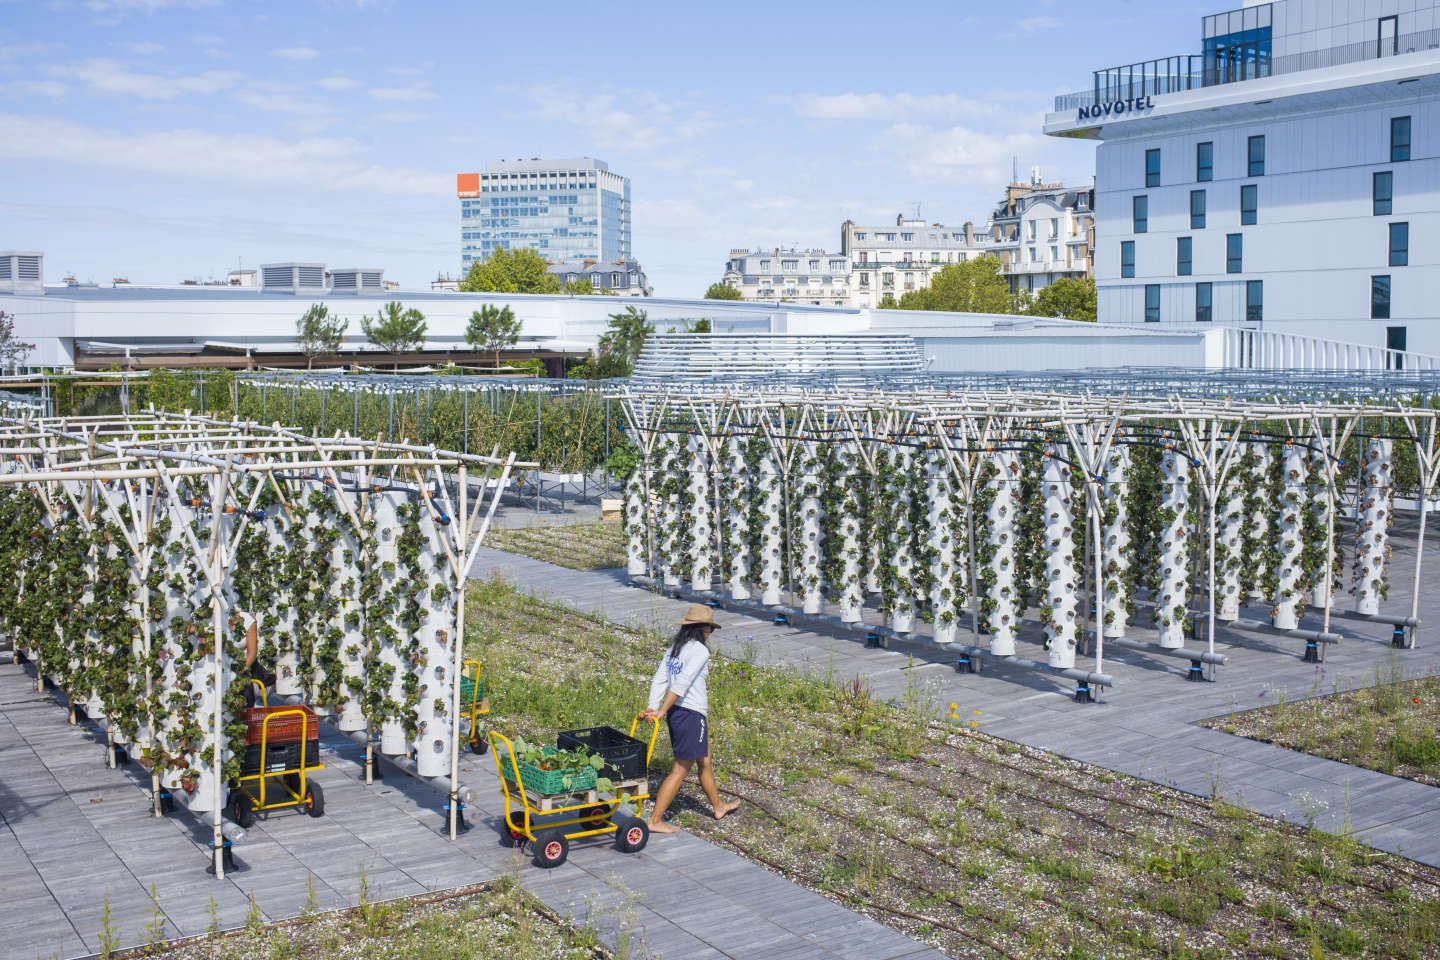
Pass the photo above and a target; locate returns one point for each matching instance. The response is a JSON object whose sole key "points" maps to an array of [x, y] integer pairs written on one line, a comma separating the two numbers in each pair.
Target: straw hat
{"points": [[699, 615]]}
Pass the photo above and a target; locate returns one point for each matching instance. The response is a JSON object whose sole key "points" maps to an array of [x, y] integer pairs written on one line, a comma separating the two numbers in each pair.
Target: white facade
{"points": [[811, 277], [894, 259], [1324, 137], [1043, 232]]}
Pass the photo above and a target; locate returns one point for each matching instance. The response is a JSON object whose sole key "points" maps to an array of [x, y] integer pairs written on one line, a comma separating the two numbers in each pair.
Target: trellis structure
{"points": [[136, 541], [1007, 506]]}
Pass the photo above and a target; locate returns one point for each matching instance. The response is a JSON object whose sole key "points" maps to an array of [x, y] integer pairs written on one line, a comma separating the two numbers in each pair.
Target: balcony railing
{"points": [[1178, 74]]}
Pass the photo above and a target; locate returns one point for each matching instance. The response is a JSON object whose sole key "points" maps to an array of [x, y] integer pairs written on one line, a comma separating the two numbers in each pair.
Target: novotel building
{"points": [[1286, 178]]}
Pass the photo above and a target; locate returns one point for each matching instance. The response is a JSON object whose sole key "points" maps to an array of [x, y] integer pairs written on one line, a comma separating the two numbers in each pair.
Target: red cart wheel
{"points": [[551, 849], [631, 834]]}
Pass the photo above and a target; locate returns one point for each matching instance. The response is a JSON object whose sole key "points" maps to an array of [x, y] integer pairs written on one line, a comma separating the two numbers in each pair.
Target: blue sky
{"points": [[168, 139]]}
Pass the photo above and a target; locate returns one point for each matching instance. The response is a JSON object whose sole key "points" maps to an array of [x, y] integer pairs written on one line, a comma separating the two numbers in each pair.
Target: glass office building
{"points": [[562, 209]]}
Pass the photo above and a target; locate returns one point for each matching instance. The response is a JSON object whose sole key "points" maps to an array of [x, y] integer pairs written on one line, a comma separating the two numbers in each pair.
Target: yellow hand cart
{"points": [[593, 811], [474, 705], [251, 792]]}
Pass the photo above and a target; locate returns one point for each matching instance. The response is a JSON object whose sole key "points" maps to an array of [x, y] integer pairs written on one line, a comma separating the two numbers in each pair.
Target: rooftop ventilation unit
{"points": [[293, 278], [357, 280], [22, 271]]}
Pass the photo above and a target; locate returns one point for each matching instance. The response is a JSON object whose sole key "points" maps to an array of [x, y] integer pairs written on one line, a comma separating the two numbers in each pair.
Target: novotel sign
{"points": [[1114, 108]]}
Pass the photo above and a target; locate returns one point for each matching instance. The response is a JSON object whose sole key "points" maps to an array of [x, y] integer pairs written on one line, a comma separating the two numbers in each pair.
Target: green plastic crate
{"points": [[551, 782], [471, 691]]}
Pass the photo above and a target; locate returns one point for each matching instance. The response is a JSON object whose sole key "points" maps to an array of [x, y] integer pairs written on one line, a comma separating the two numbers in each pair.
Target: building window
{"points": [[1141, 210], [1399, 244], [1127, 259], [1256, 166], [1152, 303], [1182, 256], [1383, 192], [1380, 297], [1249, 203], [1395, 341], [1204, 162], [1197, 209], [1234, 252], [1152, 168], [1399, 139], [1203, 294], [1254, 300]]}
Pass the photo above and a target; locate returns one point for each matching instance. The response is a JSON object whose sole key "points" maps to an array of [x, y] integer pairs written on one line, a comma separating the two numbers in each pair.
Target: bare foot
{"points": [[727, 808], [663, 827]]}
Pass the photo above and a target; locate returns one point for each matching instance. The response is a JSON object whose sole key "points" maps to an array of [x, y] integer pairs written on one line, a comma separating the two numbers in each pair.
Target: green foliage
{"points": [[579, 287], [395, 329], [975, 286], [13, 353], [888, 302], [319, 333], [625, 337], [1070, 297], [511, 271], [722, 291], [493, 328]]}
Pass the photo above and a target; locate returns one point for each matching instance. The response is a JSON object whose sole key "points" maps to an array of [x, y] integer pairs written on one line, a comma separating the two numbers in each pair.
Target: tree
{"points": [[887, 302], [395, 329], [722, 291], [493, 328], [1070, 297], [511, 271], [975, 286], [13, 353], [319, 333], [579, 287], [624, 339]]}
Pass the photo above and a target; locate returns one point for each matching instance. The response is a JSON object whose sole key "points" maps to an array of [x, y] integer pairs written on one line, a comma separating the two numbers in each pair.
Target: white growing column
{"points": [[811, 589], [772, 506], [284, 615], [667, 538], [1260, 518], [348, 616], [697, 497], [902, 612], [1230, 526], [942, 542], [1060, 574], [1115, 532], [1322, 593], [1171, 605], [1373, 536], [383, 508], [635, 522], [1004, 617], [737, 513], [1288, 524], [436, 638], [852, 589]]}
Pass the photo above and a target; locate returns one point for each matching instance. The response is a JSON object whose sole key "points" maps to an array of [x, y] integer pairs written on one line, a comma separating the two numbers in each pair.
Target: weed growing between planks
{"points": [[492, 921], [1391, 725], [976, 845]]}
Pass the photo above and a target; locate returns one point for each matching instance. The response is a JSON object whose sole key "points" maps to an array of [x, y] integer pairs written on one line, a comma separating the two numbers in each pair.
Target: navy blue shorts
{"points": [[689, 733]]}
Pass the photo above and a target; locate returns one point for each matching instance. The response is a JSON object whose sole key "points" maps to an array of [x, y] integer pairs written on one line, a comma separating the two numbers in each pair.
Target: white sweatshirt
{"points": [[684, 676]]}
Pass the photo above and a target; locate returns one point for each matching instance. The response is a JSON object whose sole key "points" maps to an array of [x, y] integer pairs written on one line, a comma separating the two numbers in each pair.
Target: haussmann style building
{"points": [[1284, 178]]}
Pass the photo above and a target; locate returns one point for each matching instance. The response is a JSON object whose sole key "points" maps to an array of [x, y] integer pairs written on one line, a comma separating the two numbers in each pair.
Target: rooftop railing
{"points": [[1189, 72]]}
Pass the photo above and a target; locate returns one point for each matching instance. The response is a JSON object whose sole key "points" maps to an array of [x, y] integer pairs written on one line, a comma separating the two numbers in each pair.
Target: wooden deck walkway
{"points": [[74, 834], [1146, 726]]}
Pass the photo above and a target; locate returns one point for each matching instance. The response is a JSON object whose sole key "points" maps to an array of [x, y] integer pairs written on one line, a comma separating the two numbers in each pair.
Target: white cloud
{"points": [[934, 155], [337, 84], [744, 186], [325, 163], [646, 123], [15, 51], [281, 98], [400, 116], [144, 48], [891, 106], [110, 76], [114, 7], [53, 89], [410, 93], [1034, 24], [295, 53]]}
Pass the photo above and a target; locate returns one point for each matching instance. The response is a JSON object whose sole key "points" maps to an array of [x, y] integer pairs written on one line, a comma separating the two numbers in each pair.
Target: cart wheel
{"points": [[595, 816], [551, 849], [479, 745], [242, 809], [314, 800], [631, 834]]}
